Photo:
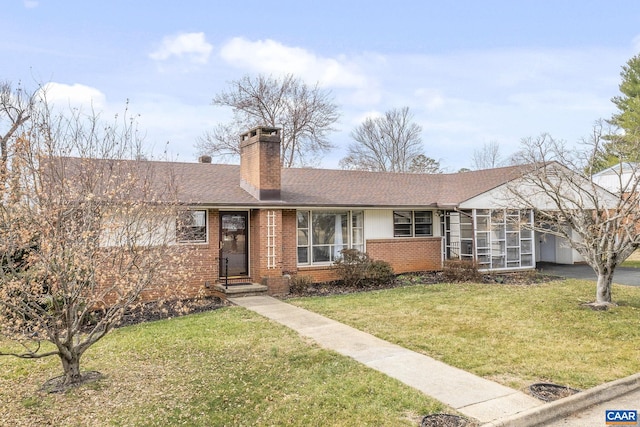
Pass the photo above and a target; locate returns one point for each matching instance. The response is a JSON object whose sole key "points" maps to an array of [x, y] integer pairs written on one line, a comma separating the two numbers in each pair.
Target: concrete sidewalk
{"points": [[475, 397]]}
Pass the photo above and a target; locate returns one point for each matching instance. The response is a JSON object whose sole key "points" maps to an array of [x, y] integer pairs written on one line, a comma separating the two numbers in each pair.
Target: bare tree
{"points": [[600, 226], [306, 115], [487, 157], [15, 109], [82, 237], [389, 143]]}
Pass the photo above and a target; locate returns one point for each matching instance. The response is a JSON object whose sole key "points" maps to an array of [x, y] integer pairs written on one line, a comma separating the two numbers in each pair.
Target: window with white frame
{"points": [[504, 238], [412, 223], [323, 234], [191, 226]]}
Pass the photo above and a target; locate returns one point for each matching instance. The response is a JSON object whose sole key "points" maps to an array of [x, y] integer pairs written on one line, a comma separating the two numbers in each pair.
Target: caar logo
{"points": [[623, 417]]}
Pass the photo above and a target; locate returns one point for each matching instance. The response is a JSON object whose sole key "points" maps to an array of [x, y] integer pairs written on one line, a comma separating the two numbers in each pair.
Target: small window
{"points": [[423, 223], [303, 237], [191, 227], [402, 223], [412, 223]]}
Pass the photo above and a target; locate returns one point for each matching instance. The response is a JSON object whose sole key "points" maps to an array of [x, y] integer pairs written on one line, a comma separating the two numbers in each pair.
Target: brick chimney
{"points": [[260, 162]]}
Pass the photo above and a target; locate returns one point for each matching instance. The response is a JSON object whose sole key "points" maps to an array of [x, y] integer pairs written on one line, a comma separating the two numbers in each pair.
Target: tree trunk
{"points": [[71, 367], [603, 287]]}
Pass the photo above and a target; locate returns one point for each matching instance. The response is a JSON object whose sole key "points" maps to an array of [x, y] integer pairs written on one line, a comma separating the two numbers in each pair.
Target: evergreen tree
{"points": [[624, 145]]}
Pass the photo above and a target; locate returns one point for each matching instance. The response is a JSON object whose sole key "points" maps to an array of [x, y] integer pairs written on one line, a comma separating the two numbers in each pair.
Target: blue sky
{"points": [[472, 72]]}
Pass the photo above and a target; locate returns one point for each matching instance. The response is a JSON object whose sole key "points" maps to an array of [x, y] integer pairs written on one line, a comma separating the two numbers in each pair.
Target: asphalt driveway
{"points": [[622, 275]]}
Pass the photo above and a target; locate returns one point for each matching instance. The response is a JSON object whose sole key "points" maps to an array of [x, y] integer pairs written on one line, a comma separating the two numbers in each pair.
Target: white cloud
{"points": [[74, 96], [271, 57], [430, 99], [360, 118], [192, 46], [31, 4], [165, 122]]}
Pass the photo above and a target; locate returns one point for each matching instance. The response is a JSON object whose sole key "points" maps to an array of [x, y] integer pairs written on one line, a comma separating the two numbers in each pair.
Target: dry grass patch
{"points": [[226, 367], [516, 335]]}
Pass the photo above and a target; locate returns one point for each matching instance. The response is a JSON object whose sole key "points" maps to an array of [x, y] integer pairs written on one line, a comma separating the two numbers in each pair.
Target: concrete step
{"points": [[241, 289]]}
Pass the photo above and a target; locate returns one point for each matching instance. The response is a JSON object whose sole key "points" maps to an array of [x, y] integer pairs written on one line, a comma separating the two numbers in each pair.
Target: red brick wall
{"points": [[289, 241], [404, 255], [206, 256], [201, 262], [319, 274], [259, 266], [408, 255], [254, 244]]}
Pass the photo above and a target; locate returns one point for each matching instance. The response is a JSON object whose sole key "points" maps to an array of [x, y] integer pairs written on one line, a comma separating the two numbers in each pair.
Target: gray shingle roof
{"points": [[209, 184], [220, 184]]}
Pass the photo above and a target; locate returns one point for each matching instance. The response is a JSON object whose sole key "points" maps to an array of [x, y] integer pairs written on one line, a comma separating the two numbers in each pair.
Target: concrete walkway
{"points": [[475, 397]]}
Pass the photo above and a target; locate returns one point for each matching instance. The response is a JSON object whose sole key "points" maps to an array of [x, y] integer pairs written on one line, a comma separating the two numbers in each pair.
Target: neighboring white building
{"points": [[618, 179]]}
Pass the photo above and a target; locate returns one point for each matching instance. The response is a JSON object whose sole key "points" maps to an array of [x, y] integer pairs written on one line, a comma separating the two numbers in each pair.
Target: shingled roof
{"points": [[219, 184], [207, 184]]}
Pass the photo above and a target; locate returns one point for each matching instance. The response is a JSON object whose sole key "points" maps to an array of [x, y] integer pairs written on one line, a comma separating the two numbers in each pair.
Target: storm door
{"points": [[234, 254]]}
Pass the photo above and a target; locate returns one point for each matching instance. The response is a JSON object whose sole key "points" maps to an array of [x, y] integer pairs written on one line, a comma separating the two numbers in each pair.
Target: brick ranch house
{"points": [[256, 225], [259, 223]]}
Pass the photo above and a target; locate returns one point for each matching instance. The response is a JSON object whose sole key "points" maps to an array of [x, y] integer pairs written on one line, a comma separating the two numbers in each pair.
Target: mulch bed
{"points": [[445, 420], [549, 392], [425, 278], [153, 311]]}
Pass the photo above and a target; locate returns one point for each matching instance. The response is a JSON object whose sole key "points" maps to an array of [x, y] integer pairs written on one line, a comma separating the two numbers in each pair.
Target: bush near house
{"points": [[456, 271], [357, 269], [300, 283]]}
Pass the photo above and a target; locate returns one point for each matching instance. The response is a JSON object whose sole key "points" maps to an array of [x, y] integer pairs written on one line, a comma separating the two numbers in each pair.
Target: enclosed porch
{"points": [[496, 239]]}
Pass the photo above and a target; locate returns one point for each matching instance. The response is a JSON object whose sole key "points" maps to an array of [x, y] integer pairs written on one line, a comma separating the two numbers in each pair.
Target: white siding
{"points": [[378, 224], [556, 249], [502, 197], [618, 178], [150, 229]]}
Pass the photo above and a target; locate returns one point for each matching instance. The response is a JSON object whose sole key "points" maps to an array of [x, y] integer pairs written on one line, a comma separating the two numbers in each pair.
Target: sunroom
{"points": [[496, 239]]}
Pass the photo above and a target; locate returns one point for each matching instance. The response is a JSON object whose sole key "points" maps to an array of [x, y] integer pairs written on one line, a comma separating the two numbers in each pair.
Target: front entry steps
{"points": [[246, 289]]}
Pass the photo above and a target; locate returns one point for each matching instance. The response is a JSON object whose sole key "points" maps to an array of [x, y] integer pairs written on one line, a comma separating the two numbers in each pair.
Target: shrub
{"points": [[352, 266], [461, 271], [380, 272], [299, 284], [357, 269]]}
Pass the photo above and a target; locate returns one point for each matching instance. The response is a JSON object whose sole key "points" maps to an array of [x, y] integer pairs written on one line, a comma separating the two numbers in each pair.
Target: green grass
{"points": [[633, 261], [228, 367], [515, 335], [232, 367]]}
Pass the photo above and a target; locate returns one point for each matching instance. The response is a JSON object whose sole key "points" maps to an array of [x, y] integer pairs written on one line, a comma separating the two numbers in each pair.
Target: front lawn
{"points": [[228, 367], [633, 260], [513, 334]]}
